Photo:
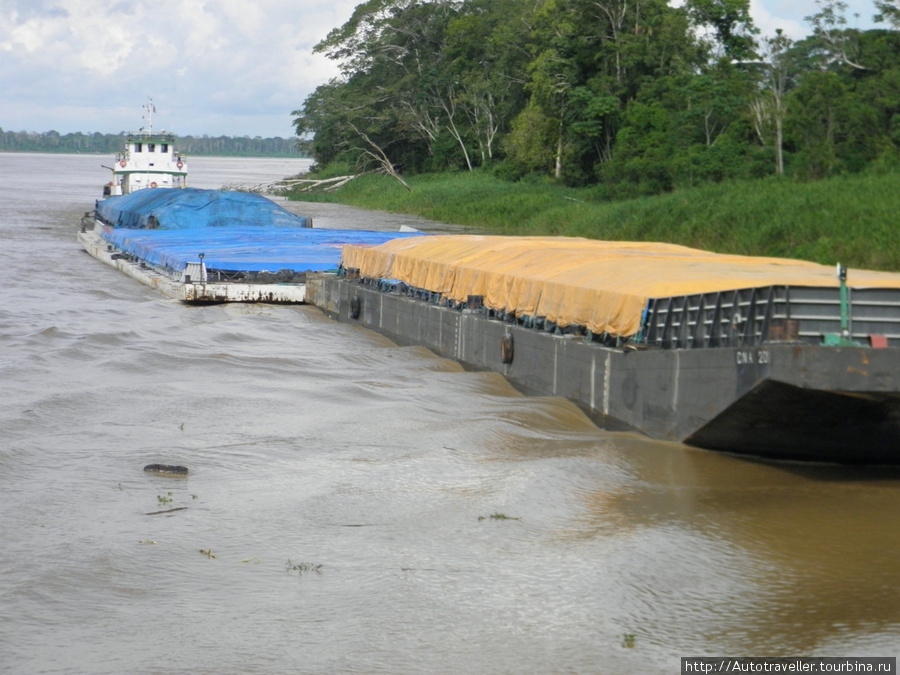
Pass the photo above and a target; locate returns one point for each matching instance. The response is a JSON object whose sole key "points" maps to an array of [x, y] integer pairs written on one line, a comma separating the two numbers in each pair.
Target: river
{"points": [[357, 507]]}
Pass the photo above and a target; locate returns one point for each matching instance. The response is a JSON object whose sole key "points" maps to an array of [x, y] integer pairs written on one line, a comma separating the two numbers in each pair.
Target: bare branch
{"points": [[380, 157]]}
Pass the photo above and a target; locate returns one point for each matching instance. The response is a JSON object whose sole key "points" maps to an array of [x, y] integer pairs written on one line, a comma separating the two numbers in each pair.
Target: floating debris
{"points": [[168, 469], [156, 513], [303, 567], [496, 516], [207, 552]]}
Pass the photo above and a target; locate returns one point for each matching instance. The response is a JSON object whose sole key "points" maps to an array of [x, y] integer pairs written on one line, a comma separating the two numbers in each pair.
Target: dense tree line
{"points": [[634, 96], [52, 141]]}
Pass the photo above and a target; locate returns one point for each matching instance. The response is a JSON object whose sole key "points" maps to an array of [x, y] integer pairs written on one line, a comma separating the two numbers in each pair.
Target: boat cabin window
{"points": [[138, 147], [151, 147], [164, 148]]}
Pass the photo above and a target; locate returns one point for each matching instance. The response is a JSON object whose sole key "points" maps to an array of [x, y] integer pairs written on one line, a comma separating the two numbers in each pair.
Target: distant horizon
{"points": [[77, 142], [126, 133]]}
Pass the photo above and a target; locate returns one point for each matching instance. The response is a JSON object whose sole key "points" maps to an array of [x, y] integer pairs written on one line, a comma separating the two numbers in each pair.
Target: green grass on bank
{"points": [[854, 220]]}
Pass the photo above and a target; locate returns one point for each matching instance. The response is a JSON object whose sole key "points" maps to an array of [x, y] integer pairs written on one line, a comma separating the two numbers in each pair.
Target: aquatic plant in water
{"points": [[497, 516], [300, 568]]}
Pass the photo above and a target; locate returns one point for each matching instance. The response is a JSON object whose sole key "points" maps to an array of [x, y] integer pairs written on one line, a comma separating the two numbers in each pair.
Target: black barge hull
{"points": [[795, 401]]}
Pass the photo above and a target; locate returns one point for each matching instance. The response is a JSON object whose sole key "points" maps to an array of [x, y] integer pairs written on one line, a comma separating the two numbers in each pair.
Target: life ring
{"points": [[152, 184], [122, 163], [179, 165]]}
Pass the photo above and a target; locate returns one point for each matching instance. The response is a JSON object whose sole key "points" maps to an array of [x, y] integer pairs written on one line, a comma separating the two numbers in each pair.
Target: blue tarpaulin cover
{"points": [[246, 249], [191, 208], [235, 231]]}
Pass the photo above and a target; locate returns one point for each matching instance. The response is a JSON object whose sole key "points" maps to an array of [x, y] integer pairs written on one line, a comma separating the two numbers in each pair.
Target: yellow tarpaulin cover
{"points": [[602, 285]]}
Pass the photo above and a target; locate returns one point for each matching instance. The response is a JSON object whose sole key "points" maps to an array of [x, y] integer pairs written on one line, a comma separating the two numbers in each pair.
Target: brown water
{"points": [[326, 445]]}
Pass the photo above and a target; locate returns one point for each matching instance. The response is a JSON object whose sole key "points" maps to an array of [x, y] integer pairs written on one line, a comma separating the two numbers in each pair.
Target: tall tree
{"points": [[888, 12], [591, 59], [393, 90], [443, 74], [842, 117], [728, 27], [769, 108], [837, 42]]}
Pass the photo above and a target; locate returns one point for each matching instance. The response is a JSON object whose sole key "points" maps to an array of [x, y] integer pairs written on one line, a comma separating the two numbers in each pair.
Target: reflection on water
{"points": [[436, 519], [802, 558]]}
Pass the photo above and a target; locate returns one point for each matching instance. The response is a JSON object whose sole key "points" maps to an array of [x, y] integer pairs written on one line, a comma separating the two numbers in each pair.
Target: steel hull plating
{"points": [[780, 400]]}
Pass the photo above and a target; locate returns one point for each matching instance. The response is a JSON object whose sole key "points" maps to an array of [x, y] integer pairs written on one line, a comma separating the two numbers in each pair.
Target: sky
{"points": [[214, 67]]}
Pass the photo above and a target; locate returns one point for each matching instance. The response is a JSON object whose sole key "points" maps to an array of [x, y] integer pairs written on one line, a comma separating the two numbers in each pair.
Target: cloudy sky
{"points": [[216, 67]]}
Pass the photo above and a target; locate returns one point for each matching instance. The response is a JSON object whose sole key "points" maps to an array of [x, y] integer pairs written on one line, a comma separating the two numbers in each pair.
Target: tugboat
{"points": [[149, 160]]}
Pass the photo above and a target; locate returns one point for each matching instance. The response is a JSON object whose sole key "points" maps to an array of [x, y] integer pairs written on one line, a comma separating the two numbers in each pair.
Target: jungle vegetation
{"points": [[627, 97]]}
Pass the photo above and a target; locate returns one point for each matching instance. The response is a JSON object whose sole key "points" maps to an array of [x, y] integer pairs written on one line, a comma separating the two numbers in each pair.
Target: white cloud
{"points": [[768, 21], [212, 66]]}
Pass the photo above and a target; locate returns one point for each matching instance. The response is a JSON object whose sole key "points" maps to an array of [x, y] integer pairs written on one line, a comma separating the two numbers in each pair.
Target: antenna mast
{"points": [[150, 108]]}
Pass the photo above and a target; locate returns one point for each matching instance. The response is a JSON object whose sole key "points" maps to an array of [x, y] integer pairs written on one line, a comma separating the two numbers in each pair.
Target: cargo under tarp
{"points": [[601, 285], [191, 208], [243, 248], [234, 231]]}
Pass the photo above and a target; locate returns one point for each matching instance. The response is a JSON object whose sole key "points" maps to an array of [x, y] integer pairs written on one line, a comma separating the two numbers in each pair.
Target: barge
{"points": [[213, 246], [766, 357]]}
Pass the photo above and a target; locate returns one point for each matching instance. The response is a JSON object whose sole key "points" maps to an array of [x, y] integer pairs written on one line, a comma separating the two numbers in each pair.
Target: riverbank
{"points": [[849, 219]]}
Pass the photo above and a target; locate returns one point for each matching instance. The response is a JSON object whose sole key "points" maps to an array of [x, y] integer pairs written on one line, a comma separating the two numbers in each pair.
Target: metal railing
{"points": [[749, 317]]}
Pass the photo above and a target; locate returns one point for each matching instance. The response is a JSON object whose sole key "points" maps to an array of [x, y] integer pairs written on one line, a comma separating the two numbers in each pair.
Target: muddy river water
{"points": [[357, 507]]}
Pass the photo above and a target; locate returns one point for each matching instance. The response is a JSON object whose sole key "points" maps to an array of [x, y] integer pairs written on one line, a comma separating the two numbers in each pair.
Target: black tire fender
{"points": [[507, 348]]}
